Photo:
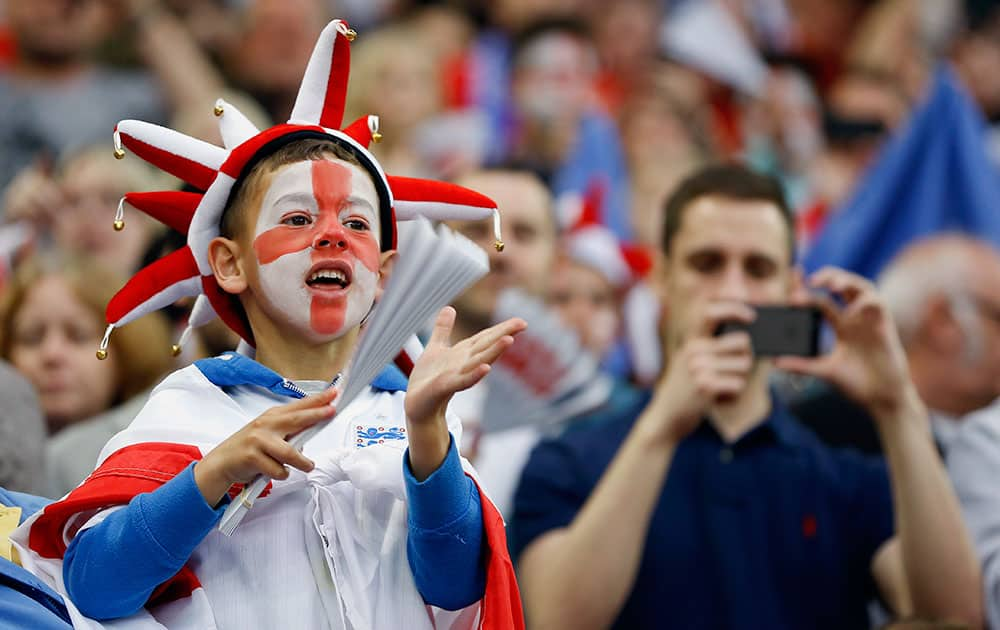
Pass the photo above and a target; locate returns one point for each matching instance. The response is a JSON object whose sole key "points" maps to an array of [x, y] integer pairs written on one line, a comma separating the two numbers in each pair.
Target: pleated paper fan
{"points": [[216, 171], [546, 376]]}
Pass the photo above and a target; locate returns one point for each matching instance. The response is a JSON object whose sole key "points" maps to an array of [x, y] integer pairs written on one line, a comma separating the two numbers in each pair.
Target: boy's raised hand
{"points": [[261, 447], [445, 368]]}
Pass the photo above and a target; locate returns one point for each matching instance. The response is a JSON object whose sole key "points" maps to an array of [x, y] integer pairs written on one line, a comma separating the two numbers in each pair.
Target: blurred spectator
{"points": [[51, 324], [54, 98], [625, 36], [890, 41], [73, 209], [947, 295], [705, 503], [271, 49], [784, 129], [50, 327], [817, 31], [861, 110], [529, 231], [977, 57], [944, 294], [396, 75], [588, 302], [22, 434], [665, 136], [559, 130], [593, 275]]}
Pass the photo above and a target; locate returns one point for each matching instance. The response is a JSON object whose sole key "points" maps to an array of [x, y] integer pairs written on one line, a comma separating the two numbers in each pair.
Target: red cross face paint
{"points": [[317, 247]]}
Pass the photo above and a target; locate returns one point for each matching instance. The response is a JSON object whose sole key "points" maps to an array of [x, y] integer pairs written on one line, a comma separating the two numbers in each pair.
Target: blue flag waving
{"points": [[935, 174]]}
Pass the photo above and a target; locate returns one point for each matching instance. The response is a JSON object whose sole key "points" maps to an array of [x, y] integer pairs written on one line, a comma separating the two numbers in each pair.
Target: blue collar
{"points": [[231, 369], [779, 426]]}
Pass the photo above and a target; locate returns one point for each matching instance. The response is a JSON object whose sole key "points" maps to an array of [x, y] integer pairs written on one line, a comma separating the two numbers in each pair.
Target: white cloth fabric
{"points": [[499, 457], [973, 461], [325, 550]]}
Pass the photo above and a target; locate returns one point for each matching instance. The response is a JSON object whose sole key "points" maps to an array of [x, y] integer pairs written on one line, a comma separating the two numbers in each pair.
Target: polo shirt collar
{"points": [[779, 426]]}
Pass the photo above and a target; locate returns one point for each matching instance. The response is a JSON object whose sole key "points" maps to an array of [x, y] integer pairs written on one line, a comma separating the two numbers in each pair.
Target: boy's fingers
{"points": [[485, 338], [290, 423], [468, 379], [325, 397], [284, 453], [267, 465], [492, 353], [442, 327]]}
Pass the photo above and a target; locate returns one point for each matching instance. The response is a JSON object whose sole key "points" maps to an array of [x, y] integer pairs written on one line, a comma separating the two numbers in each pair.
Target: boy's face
{"points": [[314, 263]]}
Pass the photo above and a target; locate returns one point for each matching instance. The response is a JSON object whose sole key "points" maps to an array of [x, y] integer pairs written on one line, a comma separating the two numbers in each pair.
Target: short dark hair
{"points": [[732, 181], [249, 187]]}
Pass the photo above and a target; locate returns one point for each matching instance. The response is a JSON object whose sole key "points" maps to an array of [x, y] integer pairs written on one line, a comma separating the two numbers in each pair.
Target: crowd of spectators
{"points": [[879, 118]]}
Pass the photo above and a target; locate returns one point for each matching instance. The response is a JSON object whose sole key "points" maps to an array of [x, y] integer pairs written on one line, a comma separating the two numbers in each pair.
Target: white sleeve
{"points": [[973, 463]]}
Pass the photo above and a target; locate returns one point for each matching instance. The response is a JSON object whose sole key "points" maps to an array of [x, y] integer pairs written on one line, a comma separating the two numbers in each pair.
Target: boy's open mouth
{"points": [[329, 275]]}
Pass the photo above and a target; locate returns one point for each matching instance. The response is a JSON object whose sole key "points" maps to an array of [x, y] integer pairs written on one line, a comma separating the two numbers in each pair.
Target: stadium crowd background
{"points": [[880, 118]]}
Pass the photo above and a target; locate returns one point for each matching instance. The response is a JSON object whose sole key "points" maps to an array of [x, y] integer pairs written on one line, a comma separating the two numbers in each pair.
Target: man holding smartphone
{"points": [[707, 505]]}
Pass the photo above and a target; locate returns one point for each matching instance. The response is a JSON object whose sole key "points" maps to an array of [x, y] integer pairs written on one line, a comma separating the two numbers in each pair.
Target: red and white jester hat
{"points": [[318, 113]]}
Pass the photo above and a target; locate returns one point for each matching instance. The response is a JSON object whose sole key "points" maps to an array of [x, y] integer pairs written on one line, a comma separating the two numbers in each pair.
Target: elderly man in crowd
{"points": [[944, 293]]}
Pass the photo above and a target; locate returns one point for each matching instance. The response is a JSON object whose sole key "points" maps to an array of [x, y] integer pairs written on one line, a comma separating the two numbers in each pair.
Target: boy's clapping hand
{"points": [[261, 447], [444, 369]]}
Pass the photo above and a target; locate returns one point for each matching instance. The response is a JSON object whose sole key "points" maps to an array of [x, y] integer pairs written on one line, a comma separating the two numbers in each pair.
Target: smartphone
{"points": [[781, 331]]}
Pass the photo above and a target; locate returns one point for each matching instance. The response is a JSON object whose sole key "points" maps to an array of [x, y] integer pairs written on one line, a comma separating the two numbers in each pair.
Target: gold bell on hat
{"points": [[376, 136], [175, 350], [119, 151], [119, 223], [102, 350], [497, 235], [218, 110], [351, 34]]}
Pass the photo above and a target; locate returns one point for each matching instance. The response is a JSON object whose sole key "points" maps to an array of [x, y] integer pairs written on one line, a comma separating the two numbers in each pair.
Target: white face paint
{"points": [[317, 245]]}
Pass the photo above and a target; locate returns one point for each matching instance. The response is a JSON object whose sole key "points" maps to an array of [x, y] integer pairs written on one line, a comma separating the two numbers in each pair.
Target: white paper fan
{"points": [[546, 376], [433, 267]]}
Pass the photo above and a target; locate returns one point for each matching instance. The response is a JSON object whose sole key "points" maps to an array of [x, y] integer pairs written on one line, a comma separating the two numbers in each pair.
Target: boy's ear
{"points": [[224, 257], [386, 262]]}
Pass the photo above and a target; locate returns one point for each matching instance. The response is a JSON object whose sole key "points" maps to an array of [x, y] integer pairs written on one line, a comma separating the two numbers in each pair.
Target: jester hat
{"points": [[215, 172]]}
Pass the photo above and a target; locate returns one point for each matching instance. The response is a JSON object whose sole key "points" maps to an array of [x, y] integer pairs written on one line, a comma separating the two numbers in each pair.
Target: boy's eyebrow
{"points": [[354, 199], [297, 197]]}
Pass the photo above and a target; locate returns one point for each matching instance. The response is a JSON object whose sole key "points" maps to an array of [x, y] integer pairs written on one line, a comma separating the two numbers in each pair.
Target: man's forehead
{"points": [[732, 223]]}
